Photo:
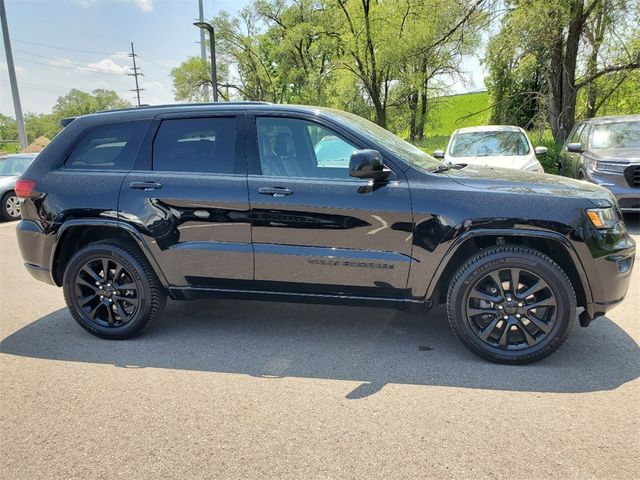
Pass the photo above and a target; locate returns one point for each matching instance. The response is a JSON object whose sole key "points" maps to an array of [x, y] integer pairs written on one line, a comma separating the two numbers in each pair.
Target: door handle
{"points": [[275, 191], [145, 185]]}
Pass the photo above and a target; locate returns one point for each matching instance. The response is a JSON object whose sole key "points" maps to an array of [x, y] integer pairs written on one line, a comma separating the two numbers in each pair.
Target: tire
{"points": [[120, 305], [10, 208], [511, 325]]}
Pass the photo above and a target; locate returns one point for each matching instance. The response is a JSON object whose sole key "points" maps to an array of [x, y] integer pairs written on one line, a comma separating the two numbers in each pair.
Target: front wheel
{"points": [[112, 291], [511, 305]]}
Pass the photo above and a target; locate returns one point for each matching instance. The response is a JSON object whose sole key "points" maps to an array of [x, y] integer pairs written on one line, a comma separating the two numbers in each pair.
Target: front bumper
{"points": [[608, 262], [628, 197]]}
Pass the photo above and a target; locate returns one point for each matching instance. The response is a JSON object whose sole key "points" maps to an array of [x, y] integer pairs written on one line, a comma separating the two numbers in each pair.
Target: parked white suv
{"points": [[503, 146]]}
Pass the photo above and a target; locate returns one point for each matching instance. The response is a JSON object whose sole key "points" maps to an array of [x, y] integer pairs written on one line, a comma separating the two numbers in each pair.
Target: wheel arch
{"points": [[554, 245], [75, 234]]}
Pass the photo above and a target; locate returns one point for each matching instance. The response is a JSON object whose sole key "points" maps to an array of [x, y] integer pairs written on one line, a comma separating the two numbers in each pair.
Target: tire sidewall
{"points": [[132, 266], [549, 272], [4, 213]]}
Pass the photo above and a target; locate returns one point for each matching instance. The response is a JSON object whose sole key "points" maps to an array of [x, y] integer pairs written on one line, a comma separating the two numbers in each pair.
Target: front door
{"points": [[315, 229], [188, 197]]}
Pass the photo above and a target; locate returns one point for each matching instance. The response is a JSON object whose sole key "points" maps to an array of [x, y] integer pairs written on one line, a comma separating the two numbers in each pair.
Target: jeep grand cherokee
{"points": [[125, 208]]}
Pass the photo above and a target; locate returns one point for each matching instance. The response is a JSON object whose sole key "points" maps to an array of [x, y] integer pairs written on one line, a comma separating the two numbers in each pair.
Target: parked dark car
{"points": [[125, 208], [606, 151]]}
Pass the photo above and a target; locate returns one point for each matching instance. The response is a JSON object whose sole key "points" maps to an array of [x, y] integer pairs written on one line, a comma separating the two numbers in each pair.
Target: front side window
{"points": [[298, 148], [575, 136], [109, 147], [199, 145], [489, 144], [616, 135]]}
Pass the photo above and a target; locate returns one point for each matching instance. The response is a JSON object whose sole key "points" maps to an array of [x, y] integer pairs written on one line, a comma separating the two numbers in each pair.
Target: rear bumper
{"points": [[35, 247]]}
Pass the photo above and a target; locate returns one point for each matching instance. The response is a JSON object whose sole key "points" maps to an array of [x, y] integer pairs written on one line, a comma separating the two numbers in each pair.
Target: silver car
{"points": [[606, 151], [11, 167]]}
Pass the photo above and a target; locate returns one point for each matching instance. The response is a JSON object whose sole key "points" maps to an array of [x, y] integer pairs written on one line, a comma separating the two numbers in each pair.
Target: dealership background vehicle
{"points": [[11, 167], [502, 146], [127, 207], [606, 151]]}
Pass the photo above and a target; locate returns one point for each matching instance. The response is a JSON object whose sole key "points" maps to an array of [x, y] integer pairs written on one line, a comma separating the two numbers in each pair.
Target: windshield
{"points": [[616, 135], [14, 165], [388, 140], [489, 144]]}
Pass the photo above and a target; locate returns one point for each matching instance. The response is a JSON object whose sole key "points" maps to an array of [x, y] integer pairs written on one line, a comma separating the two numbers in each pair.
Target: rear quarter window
{"points": [[108, 147]]}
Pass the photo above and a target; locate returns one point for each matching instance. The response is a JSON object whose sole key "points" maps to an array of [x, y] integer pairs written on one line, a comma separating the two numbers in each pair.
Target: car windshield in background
{"points": [[388, 140], [616, 135], [489, 144], [13, 165]]}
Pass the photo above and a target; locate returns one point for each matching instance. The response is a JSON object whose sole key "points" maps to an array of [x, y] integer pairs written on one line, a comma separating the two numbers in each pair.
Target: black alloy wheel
{"points": [[111, 290], [107, 292], [511, 304]]}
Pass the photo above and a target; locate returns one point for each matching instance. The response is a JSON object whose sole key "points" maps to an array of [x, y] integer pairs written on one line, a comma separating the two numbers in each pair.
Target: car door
{"points": [[571, 160], [188, 197], [315, 229]]}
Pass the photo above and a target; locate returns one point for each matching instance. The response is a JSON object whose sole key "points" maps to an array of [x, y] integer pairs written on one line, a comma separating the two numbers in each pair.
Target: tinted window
{"points": [[489, 144], [205, 145], [297, 148], [575, 136], [110, 147]]}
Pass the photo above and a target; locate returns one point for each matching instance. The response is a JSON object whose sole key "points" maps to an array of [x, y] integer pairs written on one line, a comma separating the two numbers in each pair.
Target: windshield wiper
{"points": [[448, 166]]}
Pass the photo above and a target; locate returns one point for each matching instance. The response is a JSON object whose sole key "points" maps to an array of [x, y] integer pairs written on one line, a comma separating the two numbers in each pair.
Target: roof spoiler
{"points": [[66, 121]]}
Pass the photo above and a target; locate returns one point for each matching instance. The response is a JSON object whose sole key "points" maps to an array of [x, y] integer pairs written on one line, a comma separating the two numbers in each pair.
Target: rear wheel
{"points": [[511, 305], [10, 209], [111, 290]]}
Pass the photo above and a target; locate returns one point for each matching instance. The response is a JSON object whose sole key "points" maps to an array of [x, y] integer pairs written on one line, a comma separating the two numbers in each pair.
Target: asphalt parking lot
{"points": [[231, 389]]}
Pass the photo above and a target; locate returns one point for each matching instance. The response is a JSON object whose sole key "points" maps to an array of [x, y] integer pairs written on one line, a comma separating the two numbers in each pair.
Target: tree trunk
{"points": [[412, 102]]}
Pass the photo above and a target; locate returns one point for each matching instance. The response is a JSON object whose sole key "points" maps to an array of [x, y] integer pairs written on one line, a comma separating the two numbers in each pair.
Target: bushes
{"points": [[550, 160]]}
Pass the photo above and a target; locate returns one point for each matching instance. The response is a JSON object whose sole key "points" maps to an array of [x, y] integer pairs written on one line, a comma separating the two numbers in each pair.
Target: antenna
{"points": [[135, 73]]}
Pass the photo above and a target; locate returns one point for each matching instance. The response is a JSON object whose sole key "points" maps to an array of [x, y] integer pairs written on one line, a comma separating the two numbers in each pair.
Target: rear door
{"points": [[315, 228], [188, 197]]}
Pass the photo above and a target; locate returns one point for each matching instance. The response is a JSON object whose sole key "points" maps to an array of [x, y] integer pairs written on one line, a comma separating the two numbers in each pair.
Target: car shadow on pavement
{"points": [[370, 345]]}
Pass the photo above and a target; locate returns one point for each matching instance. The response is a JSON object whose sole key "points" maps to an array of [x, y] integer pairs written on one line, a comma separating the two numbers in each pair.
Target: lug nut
{"points": [[506, 317], [500, 307], [508, 299], [517, 315], [520, 304]]}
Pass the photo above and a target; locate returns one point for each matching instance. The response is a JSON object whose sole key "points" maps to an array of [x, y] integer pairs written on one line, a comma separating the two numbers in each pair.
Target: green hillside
{"points": [[451, 112]]}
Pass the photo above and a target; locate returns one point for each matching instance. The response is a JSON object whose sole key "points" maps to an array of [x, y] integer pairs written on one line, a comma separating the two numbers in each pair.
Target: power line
{"points": [[63, 48], [71, 66]]}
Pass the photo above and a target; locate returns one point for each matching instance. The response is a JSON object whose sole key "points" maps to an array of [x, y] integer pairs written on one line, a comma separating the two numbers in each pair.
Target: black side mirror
{"points": [[575, 148], [367, 164]]}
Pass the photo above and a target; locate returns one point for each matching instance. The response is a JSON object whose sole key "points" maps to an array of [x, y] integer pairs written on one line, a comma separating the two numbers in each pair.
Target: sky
{"points": [[63, 44]]}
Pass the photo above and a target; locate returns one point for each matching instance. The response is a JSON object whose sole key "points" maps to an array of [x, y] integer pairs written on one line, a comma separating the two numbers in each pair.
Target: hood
{"points": [[517, 162], [631, 155], [515, 181]]}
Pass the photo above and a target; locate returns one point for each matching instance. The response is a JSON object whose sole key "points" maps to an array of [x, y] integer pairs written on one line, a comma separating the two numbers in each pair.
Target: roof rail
{"points": [[168, 105]]}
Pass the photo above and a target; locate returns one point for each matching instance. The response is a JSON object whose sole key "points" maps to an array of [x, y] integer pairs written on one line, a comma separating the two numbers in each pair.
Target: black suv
{"points": [[294, 203]]}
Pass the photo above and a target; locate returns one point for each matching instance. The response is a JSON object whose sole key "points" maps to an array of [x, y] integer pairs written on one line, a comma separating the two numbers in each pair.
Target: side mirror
{"points": [[439, 154], [541, 150], [367, 164], [575, 147]]}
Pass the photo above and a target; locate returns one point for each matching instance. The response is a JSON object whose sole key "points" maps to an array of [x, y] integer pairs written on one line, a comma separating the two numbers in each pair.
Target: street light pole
{"points": [[212, 39], [12, 76]]}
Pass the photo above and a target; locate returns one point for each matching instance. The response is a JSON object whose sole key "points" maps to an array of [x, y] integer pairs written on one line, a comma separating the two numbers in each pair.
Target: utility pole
{"points": [[135, 73], [212, 39], [203, 46], [12, 76]]}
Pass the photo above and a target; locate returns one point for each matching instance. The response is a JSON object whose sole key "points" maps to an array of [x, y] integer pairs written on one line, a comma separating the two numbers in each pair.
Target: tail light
{"points": [[24, 188]]}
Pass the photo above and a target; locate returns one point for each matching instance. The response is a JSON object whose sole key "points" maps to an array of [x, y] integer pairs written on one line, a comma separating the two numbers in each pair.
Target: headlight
{"points": [[603, 218], [611, 167]]}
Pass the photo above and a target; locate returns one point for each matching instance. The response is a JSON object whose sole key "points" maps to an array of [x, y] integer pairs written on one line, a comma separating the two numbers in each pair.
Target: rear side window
{"points": [[109, 147], [202, 145]]}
